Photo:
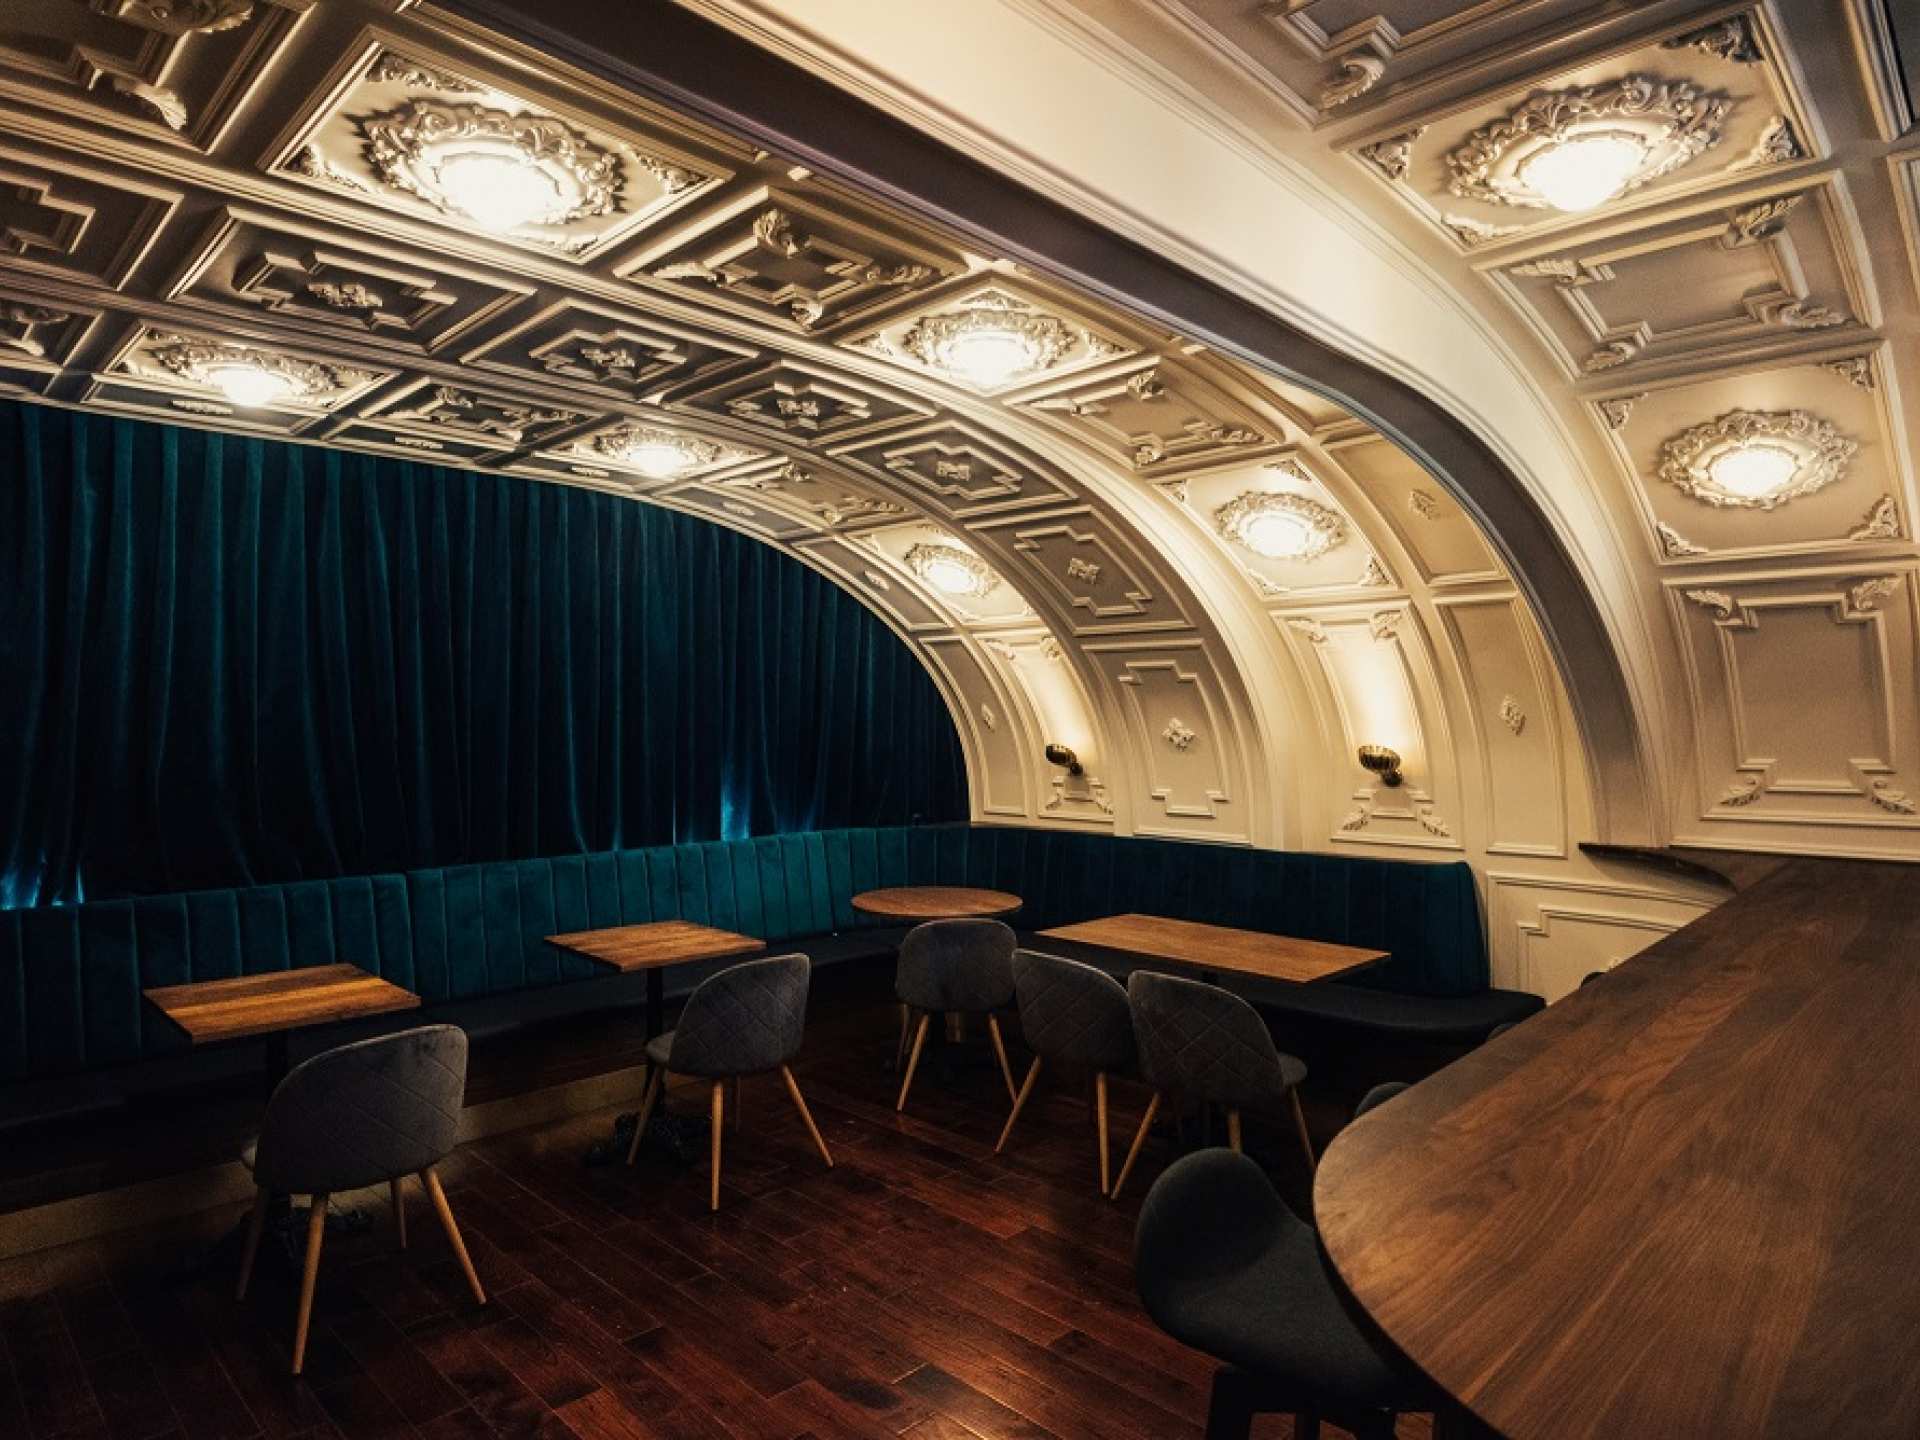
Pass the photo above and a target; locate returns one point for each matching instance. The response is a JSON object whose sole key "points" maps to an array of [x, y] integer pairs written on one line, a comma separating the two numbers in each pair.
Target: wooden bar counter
{"points": [[1685, 1200]]}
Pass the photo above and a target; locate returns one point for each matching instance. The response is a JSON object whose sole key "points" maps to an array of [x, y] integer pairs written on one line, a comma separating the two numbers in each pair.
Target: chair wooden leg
{"points": [[431, 1179], [800, 1104], [1300, 1124], [1100, 1121], [1233, 1130], [397, 1196], [309, 1274], [913, 1060], [1000, 1050], [1019, 1104], [656, 1082], [1139, 1140], [719, 1128], [256, 1224]]}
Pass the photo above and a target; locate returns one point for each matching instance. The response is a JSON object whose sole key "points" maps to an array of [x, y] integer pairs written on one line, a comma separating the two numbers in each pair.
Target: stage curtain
{"points": [[231, 661]]}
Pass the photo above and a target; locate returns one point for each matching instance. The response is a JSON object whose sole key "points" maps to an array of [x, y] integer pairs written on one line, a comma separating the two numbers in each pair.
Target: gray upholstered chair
{"points": [[1379, 1095], [746, 1020], [1203, 1043], [1223, 1265], [377, 1110], [956, 967], [1071, 1014]]}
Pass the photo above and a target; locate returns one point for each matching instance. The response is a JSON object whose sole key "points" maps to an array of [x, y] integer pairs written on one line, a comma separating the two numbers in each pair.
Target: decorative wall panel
{"points": [[1443, 540], [1515, 722], [1100, 579], [984, 709], [1187, 740]]}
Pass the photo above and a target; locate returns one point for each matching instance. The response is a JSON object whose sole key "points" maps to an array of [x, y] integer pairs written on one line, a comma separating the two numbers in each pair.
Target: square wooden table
{"points": [[1219, 949], [652, 948], [275, 1004]]}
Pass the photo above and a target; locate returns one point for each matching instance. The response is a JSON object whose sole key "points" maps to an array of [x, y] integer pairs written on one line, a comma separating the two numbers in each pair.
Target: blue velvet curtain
{"points": [[229, 661]]}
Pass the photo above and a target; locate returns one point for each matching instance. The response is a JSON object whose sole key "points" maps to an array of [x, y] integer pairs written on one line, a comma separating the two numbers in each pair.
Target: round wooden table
{"points": [[936, 902]]}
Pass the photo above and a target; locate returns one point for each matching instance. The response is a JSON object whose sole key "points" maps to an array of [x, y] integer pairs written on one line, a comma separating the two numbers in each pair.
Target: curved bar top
{"points": [[1681, 1202]]}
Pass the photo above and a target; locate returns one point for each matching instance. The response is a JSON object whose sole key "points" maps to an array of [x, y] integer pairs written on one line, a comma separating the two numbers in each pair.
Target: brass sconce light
{"points": [[1383, 762], [1060, 755]]}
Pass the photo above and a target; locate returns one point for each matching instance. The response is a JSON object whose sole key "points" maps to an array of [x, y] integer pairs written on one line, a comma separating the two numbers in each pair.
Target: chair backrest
{"points": [[1207, 1218], [957, 965], [1071, 1012], [1379, 1095], [748, 1018], [366, 1112], [1202, 1041]]}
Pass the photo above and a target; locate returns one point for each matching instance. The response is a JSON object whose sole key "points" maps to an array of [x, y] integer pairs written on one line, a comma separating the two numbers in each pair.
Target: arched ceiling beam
{"points": [[660, 50]]}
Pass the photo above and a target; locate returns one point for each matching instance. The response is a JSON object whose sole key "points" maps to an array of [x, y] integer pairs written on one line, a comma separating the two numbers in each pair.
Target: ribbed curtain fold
{"points": [[232, 661]]}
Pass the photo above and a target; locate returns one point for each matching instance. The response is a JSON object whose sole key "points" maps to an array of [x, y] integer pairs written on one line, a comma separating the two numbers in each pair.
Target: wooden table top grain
{"points": [[936, 902], [629, 948], [1682, 1201], [249, 1005], [1219, 948]]}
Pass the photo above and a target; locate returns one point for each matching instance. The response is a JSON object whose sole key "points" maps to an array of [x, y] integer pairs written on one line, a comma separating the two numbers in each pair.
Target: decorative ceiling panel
{"points": [[38, 340], [1099, 579], [70, 221], [1443, 540], [1684, 111], [1156, 420], [479, 417], [776, 256], [409, 131], [877, 582], [167, 70], [651, 450], [1824, 424], [957, 467], [1280, 527], [992, 338], [621, 354], [253, 261], [169, 372], [1887, 38], [802, 404], [816, 496], [745, 510], [949, 571], [1765, 272]]}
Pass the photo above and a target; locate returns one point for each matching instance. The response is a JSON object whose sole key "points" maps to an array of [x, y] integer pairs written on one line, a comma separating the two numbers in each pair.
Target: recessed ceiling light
{"points": [[1280, 526], [1756, 459], [499, 192], [951, 570], [249, 384], [658, 456], [1754, 470], [1583, 171], [988, 343]]}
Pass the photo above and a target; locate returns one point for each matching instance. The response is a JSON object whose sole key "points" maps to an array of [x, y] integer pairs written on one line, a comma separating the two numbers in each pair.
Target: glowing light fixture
{"points": [[1584, 170], [1753, 471], [1383, 761], [250, 385], [658, 456], [951, 570], [497, 191], [1279, 525], [988, 343]]}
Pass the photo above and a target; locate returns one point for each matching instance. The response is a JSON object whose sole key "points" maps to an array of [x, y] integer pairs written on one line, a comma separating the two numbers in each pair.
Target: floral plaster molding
{"points": [[1676, 119], [1178, 735], [1820, 449], [1323, 527], [1511, 715], [1674, 545], [1882, 522]]}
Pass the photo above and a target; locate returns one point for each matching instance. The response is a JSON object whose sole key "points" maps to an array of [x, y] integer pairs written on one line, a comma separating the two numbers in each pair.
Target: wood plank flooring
{"points": [[923, 1289]]}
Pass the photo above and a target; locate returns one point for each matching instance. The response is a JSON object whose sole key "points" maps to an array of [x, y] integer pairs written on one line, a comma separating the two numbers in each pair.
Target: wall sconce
{"points": [[1065, 758], [1383, 762]]}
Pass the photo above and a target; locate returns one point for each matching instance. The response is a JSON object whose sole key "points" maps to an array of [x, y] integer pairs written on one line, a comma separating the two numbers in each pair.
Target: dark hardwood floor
{"points": [[924, 1288]]}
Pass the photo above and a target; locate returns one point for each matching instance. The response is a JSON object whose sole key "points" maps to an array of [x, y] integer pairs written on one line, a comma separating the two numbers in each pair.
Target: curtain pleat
{"points": [[236, 661]]}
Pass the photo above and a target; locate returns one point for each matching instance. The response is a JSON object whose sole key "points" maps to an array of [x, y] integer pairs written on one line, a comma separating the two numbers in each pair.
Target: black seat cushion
{"points": [[1464, 1018]]}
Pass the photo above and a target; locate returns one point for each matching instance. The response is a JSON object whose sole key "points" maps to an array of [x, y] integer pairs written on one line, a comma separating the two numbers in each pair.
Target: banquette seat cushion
{"points": [[71, 977]]}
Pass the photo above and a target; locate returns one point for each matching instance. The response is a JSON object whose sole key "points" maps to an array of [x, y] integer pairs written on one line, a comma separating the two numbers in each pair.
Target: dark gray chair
{"points": [[377, 1110], [1071, 1014], [1223, 1265], [1379, 1095], [746, 1020], [1203, 1043], [956, 967]]}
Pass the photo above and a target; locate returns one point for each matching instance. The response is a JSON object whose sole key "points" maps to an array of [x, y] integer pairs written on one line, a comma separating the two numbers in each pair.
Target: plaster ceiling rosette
{"points": [[1757, 460], [243, 376], [654, 452], [412, 134], [992, 340], [1280, 528]]}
